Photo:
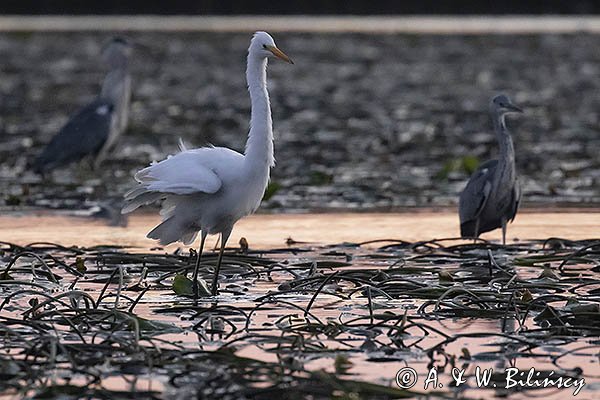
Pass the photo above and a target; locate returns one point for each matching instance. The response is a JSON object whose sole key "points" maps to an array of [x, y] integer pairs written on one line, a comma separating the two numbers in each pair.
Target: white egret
{"points": [[209, 189]]}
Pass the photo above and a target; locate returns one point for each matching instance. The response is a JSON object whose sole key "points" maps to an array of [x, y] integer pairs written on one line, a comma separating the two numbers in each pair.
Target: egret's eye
{"points": [[265, 46]]}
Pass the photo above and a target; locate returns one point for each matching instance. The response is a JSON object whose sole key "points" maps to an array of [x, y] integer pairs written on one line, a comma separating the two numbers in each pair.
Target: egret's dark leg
{"points": [[198, 259], [503, 231], [476, 231], [215, 282]]}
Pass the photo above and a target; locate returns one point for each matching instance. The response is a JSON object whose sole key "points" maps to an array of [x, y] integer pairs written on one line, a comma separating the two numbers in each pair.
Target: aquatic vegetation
{"points": [[328, 322], [383, 114]]}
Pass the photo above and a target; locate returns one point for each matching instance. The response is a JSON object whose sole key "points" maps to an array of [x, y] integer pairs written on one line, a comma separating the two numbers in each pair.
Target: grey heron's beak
{"points": [[142, 46], [279, 54], [512, 107], [133, 45]]}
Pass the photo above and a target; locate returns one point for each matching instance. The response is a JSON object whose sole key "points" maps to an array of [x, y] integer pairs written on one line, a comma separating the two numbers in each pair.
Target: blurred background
{"points": [[363, 121]]}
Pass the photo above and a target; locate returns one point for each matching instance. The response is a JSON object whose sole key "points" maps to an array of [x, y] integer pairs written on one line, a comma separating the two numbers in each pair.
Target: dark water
{"points": [[352, 7], [361, 121]]}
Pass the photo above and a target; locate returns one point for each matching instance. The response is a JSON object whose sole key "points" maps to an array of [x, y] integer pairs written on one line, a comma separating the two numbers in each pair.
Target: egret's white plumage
{"points": [[209, 189]]}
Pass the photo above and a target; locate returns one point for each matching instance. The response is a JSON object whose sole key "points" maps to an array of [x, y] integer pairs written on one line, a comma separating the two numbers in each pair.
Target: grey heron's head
{"points": [[262, 45], [501, 105], [117, 51]]}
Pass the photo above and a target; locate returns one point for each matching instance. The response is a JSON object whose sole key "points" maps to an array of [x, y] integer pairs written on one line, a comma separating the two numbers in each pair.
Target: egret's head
{"points": [[117, 51], [501, 104], [262, 45]]}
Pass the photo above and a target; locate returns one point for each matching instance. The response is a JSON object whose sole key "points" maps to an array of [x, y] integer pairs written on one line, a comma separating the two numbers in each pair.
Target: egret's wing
{"points": [[476, 194], [84, 134], [516, 200], [183, 173]]}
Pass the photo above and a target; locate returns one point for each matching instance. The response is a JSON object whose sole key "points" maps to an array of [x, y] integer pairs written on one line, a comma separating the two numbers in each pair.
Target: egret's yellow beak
{"points": [[279, 54]]}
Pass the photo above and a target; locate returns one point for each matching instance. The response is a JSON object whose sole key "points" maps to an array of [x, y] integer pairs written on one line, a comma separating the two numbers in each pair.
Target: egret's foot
{"points": [[215, 286], [195, 289]]}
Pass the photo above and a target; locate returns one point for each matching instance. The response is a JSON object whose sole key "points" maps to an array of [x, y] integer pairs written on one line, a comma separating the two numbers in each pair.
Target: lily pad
{"points": [[183, 286]]}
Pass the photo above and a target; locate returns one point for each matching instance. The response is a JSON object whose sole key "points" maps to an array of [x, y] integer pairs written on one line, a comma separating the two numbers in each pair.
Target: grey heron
{"points": [[94, 129], [491, 198], [209, 189]]}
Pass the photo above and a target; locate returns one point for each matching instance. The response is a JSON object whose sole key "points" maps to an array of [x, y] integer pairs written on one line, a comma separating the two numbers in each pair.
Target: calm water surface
{"points": [[449, 306]]}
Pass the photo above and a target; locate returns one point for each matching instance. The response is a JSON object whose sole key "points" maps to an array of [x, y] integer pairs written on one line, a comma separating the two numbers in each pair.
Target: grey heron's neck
{"points": [[259, 147], [507, 150], [117, 90], [116, 86]]}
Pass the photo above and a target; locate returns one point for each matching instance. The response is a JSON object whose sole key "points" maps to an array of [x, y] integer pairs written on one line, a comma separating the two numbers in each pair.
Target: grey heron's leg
{"points": [[503, 231], [198, 259], [476, 230], [215, 282], [99, 158]]}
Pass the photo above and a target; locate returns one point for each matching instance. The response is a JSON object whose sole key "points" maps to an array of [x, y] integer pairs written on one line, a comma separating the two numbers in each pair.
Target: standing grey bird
{"points": [[491, 198], [95, 128]]}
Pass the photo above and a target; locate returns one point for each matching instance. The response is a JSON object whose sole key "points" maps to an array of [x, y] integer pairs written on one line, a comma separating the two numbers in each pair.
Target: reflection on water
{"points": [[286, 317], [268, 231]]}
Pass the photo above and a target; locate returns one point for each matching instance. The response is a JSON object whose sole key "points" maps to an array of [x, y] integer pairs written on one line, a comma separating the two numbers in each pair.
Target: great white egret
{"points": [[491, 198], [209, 189]]}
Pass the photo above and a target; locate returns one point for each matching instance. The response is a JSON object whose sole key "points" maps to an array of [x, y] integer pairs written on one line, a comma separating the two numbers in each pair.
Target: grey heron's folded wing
{"points": [[475, 194], [82, 135]]}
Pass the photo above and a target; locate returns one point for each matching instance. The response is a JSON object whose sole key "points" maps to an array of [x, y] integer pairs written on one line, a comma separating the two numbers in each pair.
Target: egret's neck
{"points": [[259, 147]]}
